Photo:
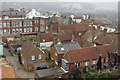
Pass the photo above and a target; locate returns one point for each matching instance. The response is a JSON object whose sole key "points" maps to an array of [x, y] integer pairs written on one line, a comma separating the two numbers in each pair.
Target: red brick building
{"points": [[15, 21], [85, 57], [31, 56]]}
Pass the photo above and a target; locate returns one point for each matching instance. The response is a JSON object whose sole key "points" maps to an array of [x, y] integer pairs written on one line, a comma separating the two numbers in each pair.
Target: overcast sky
{"points": [[60, 0]]}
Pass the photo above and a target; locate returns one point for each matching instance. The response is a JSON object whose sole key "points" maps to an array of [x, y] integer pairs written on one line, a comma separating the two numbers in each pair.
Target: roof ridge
{"points": [[88, 47]]}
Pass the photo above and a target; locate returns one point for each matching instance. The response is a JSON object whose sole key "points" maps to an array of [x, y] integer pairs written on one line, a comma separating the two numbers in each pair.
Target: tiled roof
{"points": [[66, 26], [28, 50], [7, 72], [62, 48], [78, 17], [84, 54], [81, 27], [13, 13], [103, 38], [66, 35], [45, 36]]}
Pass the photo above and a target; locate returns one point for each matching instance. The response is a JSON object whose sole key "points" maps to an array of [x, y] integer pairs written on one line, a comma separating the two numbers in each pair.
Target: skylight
{"points": [[62, 49]]}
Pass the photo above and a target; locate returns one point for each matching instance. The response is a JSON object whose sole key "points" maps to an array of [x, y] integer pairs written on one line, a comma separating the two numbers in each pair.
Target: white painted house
{"points": [[34, 13]]}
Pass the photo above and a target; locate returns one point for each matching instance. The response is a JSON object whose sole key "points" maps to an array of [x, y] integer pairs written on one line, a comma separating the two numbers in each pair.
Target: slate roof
{"points": [[13, 13], [62, 48], [86, 54]]}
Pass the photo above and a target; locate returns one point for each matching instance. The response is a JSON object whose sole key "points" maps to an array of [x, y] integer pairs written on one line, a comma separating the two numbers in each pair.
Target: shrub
{"points": [[4, 56]]}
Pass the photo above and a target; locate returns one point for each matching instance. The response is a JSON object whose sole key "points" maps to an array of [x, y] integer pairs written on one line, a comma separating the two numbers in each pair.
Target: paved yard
{"points": [[18, 68]]}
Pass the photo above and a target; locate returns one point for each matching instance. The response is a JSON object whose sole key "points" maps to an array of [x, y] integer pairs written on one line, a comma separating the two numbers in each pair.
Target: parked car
{"points": [[5, 45]]}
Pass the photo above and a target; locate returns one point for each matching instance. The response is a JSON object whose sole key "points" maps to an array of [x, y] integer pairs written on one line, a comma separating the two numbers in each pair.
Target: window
{"points": [[65, 65], [24, 29], [36, 29], [27, 23], [55, 53], [39, 57], [30, 23], [78, 65], [16, 24], [23, 61], [27, 29], [86, 63], [4, 31], [33, 57], [34, 21], [41, 22], [20, 23], [13, 30], [20, 30], [37, 21], [79, 34], [1, 31], [16, 30], [4, 24], [24, 23], [94, 62], [0, 24], [8, 24], [56, 62], [8, 30], [13, 24], [30, 29]]}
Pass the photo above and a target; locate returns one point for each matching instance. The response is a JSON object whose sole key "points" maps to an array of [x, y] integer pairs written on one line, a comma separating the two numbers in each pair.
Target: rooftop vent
{"points": [[62, 49]]}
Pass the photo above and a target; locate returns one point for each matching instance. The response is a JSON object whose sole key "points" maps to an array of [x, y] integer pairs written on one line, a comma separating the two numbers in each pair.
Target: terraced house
{"points": [[78, 58]]}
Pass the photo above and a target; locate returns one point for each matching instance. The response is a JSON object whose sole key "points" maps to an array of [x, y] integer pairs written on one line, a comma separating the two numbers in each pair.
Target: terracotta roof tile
{"points": [[45, 36], [66, 26], [83, 54], [28, 50], [7, 72], [66, 35]]}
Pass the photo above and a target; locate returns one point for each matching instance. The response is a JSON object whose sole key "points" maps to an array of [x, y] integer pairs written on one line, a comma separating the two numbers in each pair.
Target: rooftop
{"points": [[62, 48], [52, 72], [6, 72]]}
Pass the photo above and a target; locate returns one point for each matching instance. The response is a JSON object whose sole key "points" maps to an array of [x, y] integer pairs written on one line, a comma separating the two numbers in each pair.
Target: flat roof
{"points": [[51, 72]]}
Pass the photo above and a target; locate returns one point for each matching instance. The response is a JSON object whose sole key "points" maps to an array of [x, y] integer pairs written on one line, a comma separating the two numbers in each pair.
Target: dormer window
{"points": [[33, 57]]}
